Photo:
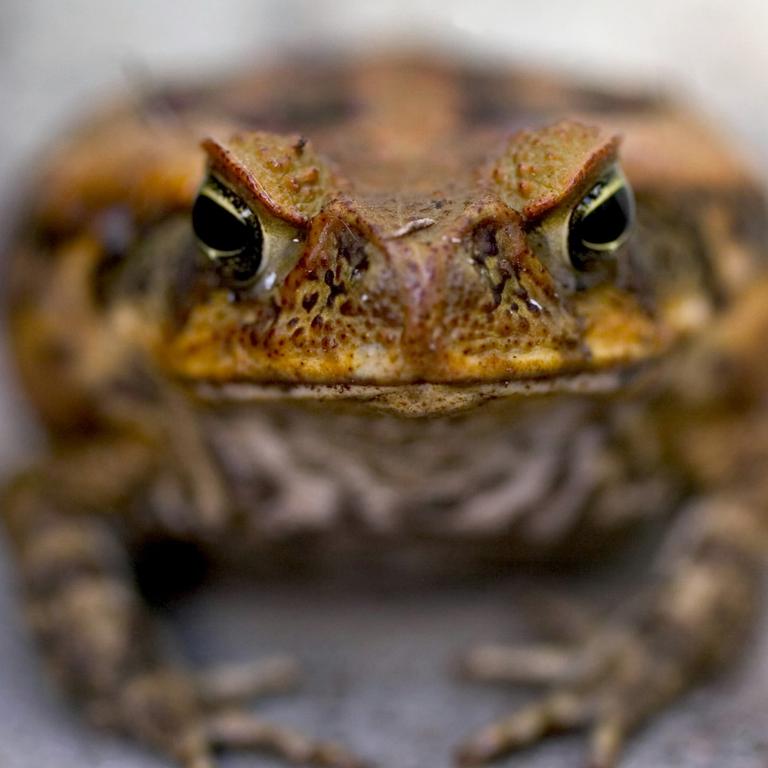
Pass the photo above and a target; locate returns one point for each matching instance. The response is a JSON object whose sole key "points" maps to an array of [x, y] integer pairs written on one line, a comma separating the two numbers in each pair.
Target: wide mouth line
{"points": [[582, 382]]}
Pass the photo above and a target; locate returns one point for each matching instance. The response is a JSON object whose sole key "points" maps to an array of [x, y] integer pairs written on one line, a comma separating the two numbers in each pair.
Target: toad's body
{"points": [[411, 302]]}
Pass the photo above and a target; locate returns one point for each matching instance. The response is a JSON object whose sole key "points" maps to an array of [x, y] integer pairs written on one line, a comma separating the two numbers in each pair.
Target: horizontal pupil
{"points": [[217, 228], [608, 222]]}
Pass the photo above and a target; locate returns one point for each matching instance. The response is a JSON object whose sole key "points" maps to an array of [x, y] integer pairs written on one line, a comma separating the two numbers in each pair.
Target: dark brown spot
{"points": [[351, 247], [115, 229], [335, 289], [486, 254], [57, 353], [328, 343], [593, 100], [309, 109], [484, 244], [347, 308], [308, 302], [168, 102]]}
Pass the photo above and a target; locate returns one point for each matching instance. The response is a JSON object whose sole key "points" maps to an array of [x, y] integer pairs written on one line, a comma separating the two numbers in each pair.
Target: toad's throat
{"points": [[535, 466]]}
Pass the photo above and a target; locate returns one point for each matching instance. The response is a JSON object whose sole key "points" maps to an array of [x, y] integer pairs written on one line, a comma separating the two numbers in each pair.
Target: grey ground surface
{"points": [[379, 659], [378, 651]]}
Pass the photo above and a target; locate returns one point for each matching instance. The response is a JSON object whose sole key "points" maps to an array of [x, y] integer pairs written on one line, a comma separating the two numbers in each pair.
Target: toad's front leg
{"points": [[96, 632], [626, 670]]}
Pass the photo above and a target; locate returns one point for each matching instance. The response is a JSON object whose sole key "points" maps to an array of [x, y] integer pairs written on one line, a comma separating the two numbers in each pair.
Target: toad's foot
{"points": [[98, 636], [608, 686], [188, 719], [621, 674]]}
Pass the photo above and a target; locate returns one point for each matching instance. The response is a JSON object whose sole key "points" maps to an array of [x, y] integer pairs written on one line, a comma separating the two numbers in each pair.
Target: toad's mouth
{"points": [[420, 399]]}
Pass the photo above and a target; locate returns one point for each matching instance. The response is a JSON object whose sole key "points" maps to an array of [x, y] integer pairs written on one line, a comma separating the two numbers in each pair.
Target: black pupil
{"points": [[233, 244], [219, 229], [607, 223]]}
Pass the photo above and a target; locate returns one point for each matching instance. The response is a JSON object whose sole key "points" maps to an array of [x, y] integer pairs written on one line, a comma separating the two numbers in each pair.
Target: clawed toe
{"points": [[240, 730], [554, 713], [540, 664], [235, 683]]}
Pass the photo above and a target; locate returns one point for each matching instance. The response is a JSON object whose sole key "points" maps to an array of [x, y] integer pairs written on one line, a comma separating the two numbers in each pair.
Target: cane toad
{"points": [[401, 300]]}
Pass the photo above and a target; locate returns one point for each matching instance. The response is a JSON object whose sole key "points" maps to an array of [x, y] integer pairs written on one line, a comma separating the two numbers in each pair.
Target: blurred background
{"points": [[384, 690]]}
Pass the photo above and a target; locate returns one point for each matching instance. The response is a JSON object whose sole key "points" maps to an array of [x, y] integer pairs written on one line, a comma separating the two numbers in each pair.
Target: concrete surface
{"points": [[378, 660], [378, 652]]}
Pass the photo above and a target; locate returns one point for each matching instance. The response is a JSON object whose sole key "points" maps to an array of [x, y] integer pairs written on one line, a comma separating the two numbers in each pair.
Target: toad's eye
{"points": [[601, 222], [228, 232]]}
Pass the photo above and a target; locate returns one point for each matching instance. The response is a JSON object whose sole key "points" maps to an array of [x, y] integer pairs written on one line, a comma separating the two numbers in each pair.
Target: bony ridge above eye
{"points": [[601, 221], [228, 232]]}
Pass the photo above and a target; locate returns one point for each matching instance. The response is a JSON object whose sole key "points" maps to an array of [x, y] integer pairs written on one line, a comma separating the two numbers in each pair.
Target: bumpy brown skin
{"points": [[417, 271]]}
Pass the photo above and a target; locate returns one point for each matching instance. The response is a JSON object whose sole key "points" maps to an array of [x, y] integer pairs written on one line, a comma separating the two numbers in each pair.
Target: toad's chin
{"points": [[418, 399]]}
